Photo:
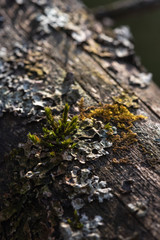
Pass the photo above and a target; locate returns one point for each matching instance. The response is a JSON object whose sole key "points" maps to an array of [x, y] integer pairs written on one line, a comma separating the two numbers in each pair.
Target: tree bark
{"points": [[53, 52]]}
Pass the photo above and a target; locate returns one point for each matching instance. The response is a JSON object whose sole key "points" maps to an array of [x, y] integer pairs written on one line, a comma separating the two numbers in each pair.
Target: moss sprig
{"points": [[57, 135], [75, 223]]}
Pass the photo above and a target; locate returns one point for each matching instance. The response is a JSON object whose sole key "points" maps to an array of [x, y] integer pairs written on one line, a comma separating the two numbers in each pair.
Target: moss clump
{"points": [[124, 140], [116, 115], [57, 134], [75, 223]]}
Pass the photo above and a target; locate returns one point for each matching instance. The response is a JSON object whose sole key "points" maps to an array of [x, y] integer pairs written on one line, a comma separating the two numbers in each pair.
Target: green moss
{"points": [[57, 135], [75, 223]]}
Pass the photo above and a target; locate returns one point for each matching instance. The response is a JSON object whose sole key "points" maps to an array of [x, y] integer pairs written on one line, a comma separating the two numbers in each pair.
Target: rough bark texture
{"points": [[47, 60]]}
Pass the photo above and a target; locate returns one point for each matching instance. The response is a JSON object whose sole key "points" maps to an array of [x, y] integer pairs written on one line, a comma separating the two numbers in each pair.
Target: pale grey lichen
{"points": [[141, 80], [122, 42], [54, 18], [77, 203], [26, 86], [124, 36], [139, 208], [25, 96], [66, 156], [81, 35], [119, 45], [83, 183], [20, 92], [89, 231], [3, 53], [66, 231], [40, 2], [92, 141], [105, 39], [20, 2], [124, 31], [92, 150], [121, 52], [90, 226]]}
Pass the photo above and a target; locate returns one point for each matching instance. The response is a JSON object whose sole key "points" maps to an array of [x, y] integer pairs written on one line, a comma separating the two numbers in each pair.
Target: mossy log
{"points": [[54, 52]]}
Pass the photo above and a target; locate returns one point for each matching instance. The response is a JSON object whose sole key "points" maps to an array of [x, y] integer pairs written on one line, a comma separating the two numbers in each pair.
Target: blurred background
{"points": [[145, 27]]}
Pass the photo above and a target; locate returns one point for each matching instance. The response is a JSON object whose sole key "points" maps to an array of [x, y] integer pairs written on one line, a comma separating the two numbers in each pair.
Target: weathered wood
{"points": [[49, 63]]}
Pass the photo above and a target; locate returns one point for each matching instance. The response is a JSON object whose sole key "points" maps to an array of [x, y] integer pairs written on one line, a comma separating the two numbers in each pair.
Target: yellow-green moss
{"points": [[124, 140], [75, 223], [116, 115]]}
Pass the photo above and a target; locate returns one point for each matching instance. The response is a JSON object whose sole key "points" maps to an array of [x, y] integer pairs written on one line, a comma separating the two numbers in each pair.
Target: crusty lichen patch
{"points": [[54, 18], [31, 81], [83, 182], [89, 228], [127, 99], [25, 88]]}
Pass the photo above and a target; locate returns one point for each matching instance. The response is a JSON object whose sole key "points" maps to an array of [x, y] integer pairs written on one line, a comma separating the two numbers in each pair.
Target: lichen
{"points": [[141, 80], [54, 18], [139, 208], [89, 230], [83, 182], [91, 140], [25, 87], [128, 100]]}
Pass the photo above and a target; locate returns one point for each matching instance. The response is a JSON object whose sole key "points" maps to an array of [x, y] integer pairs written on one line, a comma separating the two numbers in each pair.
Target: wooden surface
{"points": [[97, 79]]}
